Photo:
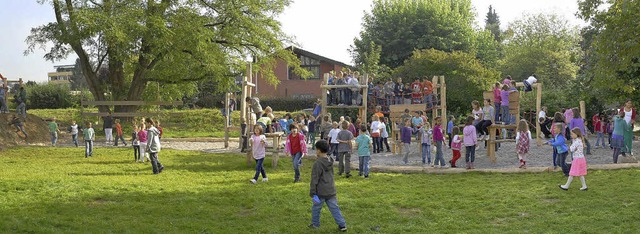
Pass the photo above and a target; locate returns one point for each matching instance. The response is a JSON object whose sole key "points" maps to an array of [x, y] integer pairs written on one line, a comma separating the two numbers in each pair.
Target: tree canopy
{"points": [[400, 27], [492, 23], [168, 42], [466, 76]]}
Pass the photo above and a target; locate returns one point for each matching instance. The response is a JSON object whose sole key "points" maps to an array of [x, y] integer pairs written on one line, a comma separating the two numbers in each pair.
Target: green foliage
{"points": [[210, 193], [50, 96], [545, 45], [401, 27], [173, 43], [465, 76], [612, 45], [492, 24]]}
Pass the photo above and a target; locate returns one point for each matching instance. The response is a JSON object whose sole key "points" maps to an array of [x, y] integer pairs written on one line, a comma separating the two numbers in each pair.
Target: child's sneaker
{"points": [[313, 226], [253, 181], [343, 229], [265, 179]]}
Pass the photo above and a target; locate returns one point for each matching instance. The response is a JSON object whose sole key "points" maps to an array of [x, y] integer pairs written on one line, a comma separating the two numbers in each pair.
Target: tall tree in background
{"points": [[163, 41], [492, 23], [612, 45], [400, 27], [545, 45]]}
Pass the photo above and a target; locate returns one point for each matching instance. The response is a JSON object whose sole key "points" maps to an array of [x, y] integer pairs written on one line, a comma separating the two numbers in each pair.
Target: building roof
{"points": [[300, 51]]}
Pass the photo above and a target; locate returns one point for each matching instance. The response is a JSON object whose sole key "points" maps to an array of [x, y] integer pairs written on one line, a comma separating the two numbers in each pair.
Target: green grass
{"points": [[57, 190]]}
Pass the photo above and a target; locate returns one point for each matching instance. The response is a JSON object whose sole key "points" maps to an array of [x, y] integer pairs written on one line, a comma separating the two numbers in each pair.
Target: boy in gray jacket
{"points": [[323, 188], [153, 146]]}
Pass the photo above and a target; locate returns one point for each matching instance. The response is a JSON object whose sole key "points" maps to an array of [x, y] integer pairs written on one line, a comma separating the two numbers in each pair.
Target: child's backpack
{"points": [[523, 143]]}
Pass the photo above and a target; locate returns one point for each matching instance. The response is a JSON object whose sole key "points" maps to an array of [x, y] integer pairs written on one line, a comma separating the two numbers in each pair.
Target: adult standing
{"points": [[108, 127], [630, 118], [254, 103]]}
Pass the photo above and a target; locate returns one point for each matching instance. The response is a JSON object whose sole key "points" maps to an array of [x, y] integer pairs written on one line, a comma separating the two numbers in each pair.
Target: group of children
{"points": [[396, 93]]}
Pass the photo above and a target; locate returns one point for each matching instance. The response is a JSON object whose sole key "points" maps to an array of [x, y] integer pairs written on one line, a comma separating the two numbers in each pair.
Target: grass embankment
{"points": [[176, 123], [57, 190]]}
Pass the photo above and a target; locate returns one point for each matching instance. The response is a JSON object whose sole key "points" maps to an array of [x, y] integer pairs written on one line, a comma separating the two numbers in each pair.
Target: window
{"points": [[311, 64]]}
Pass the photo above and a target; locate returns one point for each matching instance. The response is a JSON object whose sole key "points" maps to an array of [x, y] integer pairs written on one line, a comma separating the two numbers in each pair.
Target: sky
{"points": [[325, 27]]}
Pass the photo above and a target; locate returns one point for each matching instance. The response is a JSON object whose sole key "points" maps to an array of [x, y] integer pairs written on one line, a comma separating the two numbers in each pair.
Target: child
{"points": [[523, 137], [344, 150], [142, 137], [599, 128], [284, 123], [579, 163], [160, 129], [376, 131], [15, 121], [558, 118], [323, 188], [89, 135], [455, 146], [497, 100], [312, 131], [617, 137], [136, 144], [578, 122], [405, 137], [470, 140], [119, 134], [450, 129], [559, 144], [504, 104], [153, 146], [407, 94], [364, 143], [295, 147], [427, 134], [53, 130], [438, 139], [333, 138], [384, 135], [609, 129], [73, 129], [258, 148]]}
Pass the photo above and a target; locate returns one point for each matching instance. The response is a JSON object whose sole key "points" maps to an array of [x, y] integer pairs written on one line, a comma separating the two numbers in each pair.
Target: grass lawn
{"points": [[58, 190]]}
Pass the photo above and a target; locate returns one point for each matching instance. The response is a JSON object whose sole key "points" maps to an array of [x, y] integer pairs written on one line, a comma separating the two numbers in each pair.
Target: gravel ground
{"points": [[539, 156]]}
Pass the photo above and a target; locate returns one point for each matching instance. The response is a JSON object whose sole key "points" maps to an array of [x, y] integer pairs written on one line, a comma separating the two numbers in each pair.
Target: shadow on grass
{"points": [[88, 161], [207, 162]]}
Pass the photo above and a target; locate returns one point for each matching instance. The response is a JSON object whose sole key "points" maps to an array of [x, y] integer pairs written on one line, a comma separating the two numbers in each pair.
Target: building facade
{"points": [[62, 75], [291, 85]]}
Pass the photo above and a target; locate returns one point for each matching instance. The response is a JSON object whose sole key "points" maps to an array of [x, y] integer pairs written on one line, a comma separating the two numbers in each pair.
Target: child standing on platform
{"points": [[579, 163], [258, 148], [438, 138], [523, 138], [455, 145], [470, 140]]}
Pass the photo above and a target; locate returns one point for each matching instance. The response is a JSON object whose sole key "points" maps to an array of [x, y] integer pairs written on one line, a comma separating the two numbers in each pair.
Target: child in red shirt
{"points": [[297, 148], [119, 133]]}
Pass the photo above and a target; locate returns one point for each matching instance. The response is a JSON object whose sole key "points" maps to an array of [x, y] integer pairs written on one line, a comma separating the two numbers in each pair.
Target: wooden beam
{"points": [[538, 108], [130, 103], [130, 114], [248, 83], [342, 86]]}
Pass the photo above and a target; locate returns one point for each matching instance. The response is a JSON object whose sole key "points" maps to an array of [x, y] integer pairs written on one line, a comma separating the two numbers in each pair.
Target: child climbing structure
{"points": [[514, 109], [437, 107], [360, 88]]}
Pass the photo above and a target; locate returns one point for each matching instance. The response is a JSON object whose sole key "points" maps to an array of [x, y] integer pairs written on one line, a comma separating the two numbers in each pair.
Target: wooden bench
{"points": [[275, 149]]}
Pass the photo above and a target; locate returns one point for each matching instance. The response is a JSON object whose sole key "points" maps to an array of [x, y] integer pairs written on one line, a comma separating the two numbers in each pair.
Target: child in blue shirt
{"points": [[449, 128], [364, 143], [559, 143]]}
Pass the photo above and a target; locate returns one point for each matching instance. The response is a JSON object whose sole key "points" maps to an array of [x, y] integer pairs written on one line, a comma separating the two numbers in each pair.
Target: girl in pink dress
{"points": [[579, 163]]}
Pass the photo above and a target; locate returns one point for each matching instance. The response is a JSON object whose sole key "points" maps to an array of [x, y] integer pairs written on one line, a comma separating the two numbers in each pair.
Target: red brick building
{"points": [[291, 85]]}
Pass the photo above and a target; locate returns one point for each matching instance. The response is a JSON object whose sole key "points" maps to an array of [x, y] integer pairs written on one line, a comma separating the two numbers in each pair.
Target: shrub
{"points": [[49, 96]]}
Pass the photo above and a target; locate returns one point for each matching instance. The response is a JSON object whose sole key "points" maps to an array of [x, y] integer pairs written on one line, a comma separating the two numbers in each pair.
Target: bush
{"points": [[49, 96], [287, 104]]}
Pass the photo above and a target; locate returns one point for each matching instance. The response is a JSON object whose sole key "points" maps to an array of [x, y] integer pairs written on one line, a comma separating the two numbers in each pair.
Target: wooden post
{"points": [[443, 102], [491, 151], [365, 90], [226, 120], [323, 107], [538, 107], [276, 150], [434, 111], [243, 109]]}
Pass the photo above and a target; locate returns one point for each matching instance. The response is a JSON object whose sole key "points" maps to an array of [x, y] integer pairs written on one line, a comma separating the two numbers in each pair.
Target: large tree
{"points": [[164, 41], [612, 46], [400, 27], [492, 23], [545, 45]]}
